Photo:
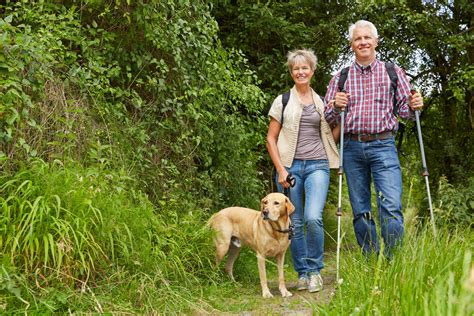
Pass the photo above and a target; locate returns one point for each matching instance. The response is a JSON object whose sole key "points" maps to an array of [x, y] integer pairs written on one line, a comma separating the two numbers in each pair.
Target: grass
{"points": [[429, 276]]}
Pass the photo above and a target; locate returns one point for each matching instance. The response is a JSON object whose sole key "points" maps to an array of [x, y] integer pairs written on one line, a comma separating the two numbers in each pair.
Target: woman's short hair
{"points": [[363, 23], [301, 55]]}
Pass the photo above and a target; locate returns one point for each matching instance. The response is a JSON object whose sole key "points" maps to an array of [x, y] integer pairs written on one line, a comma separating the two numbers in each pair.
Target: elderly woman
{"points": [[300, 143]]}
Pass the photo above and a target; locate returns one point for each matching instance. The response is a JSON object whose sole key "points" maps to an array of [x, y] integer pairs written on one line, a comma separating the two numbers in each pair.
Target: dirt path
{"points": [[301, 303]]}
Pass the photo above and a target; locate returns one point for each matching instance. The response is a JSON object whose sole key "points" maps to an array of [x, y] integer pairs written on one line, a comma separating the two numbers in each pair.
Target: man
{"points": [[369, 144]]}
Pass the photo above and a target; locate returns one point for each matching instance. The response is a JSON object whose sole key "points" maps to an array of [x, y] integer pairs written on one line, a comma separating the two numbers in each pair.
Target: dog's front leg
{"points": [[263, 276], [281, 275]]}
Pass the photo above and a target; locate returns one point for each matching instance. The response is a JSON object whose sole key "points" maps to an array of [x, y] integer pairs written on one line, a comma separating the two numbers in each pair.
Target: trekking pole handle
{"points": [[343, 109]]}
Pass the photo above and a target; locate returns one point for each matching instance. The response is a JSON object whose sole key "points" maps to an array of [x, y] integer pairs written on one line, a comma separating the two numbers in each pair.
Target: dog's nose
{"points": [[265, 214]]}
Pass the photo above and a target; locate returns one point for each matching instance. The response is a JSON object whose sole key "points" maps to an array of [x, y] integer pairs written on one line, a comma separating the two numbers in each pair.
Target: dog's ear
{"points": [[262, 203], [290, 208]]}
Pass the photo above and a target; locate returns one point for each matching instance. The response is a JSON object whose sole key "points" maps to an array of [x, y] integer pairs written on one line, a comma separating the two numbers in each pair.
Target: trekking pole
{"points": [[339, 202], [425, 168]]}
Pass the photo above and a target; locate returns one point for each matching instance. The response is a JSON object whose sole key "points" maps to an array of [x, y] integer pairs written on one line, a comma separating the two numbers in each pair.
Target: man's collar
{"points": [[367, 69]]}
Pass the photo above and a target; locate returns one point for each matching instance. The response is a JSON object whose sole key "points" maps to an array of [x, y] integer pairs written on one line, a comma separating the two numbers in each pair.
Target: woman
{"points": [[303, 147]]}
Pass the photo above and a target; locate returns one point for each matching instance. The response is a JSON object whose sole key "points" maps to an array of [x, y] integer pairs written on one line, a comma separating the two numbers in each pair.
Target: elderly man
{"points": [[370, 104]]}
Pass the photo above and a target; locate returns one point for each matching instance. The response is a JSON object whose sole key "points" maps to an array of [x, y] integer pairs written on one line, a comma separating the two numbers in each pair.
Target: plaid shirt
{"points": [[370, 107]]}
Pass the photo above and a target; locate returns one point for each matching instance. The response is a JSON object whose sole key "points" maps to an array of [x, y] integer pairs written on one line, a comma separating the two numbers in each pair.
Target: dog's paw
{"points": [[286, 293], [267, 294]]}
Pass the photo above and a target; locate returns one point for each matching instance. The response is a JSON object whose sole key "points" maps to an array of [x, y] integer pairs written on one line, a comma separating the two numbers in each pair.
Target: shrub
{"points": [[455, 204]]}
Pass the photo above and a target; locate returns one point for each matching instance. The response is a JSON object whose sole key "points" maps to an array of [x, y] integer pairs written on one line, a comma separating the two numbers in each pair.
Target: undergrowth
{"points": [[68, 232]]}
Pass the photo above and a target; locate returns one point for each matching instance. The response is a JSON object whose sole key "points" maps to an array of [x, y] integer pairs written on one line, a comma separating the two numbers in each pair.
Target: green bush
{"points": [[119, 84], [455, 204]]}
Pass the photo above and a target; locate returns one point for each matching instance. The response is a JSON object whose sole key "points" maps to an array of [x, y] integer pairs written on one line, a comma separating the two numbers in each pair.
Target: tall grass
{"points": [[40, 233], [78, 239], [428, 276]]}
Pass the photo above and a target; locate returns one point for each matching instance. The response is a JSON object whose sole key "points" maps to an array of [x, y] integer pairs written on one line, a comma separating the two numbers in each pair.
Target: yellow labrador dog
{"points": [[267, 232]]}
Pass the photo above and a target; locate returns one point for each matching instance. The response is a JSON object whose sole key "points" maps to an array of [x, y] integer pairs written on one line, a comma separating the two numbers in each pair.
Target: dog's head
{"points": [[276, 205]]}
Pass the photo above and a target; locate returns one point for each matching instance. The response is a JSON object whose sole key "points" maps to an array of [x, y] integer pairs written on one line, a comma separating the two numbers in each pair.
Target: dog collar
{"points": [[290, 231]]}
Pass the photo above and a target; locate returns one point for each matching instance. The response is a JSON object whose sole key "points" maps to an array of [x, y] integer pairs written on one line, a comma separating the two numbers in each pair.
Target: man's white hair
{"points": [[363, 23]]}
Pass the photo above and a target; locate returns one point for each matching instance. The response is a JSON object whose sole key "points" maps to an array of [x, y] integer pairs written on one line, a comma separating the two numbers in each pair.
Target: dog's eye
{"points": [[276, 203], [265, 202]]}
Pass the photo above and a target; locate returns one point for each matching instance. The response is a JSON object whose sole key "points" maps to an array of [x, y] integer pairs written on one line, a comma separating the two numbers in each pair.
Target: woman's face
{"points": [[302, 73]]}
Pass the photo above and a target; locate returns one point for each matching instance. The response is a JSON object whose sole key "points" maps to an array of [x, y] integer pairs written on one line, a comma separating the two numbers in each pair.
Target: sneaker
{"points": [[315, 283], [302, 284]]}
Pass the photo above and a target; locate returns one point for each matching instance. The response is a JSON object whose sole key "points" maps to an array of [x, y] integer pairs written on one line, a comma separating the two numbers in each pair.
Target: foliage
{"points": [[455, 207], [65, 228], [127, 91], [429, 275], [266, 31], [53, 220]]}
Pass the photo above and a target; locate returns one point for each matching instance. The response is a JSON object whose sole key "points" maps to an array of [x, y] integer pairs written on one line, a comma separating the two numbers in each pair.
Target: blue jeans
{"points": [[376, 159], [308, 196]]}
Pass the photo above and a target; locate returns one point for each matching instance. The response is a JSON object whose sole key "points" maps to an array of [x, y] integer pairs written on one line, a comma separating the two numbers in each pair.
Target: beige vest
{"points": [[288, 136]]}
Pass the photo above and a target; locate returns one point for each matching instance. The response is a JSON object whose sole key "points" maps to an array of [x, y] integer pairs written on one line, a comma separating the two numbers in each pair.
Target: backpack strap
{"points": [[284, 101], [393, 84], [342, 78]]}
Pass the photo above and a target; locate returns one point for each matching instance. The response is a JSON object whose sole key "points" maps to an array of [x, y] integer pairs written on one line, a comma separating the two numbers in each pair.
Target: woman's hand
{"points": [[282, 176]]}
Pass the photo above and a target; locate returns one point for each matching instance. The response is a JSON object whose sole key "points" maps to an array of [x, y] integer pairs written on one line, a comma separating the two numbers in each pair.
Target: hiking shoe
{"points": [[302, 284], [315, 283]]}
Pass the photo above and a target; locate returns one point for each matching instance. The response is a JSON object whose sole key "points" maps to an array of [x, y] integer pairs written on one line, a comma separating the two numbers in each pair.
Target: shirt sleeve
{"points": [[403, 93], [331, 115], [276, 108]]}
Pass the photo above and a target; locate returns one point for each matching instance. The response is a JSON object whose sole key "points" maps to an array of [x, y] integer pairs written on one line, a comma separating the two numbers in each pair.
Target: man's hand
{"points": [[341, 100], [415, 101]]}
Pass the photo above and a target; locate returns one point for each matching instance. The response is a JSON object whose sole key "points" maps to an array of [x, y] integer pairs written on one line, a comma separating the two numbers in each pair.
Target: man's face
{"points": [[363, 43]]}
